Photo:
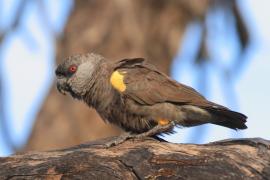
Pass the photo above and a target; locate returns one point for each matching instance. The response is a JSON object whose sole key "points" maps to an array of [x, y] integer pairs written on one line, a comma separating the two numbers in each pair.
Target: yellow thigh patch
{"points": [[163, 122], [117, 81]]}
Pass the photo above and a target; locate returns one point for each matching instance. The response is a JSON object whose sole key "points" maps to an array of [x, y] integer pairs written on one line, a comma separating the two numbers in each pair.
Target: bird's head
{"points": [[75, 74]]}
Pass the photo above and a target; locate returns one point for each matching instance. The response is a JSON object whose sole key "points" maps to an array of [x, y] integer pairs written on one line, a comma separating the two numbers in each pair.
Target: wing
{"points": [[147, 86]]}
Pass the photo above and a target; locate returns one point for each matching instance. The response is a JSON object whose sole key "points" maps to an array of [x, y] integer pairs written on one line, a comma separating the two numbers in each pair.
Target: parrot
{"points": [[135, 96]]}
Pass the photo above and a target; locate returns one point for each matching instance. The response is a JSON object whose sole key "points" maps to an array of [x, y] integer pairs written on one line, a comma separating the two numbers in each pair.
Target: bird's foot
{"points": [[122, 138], [154, 131]]}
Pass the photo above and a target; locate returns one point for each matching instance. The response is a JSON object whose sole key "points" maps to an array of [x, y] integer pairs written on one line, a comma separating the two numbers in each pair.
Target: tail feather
{"points": [[230, 119]]}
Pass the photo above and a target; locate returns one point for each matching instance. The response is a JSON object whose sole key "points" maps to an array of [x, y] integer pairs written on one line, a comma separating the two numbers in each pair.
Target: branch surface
{"points": [[145, 159]]}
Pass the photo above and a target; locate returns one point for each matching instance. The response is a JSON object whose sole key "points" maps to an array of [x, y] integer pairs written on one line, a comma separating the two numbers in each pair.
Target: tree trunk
{"points": [[145, 159], [116, 29]]}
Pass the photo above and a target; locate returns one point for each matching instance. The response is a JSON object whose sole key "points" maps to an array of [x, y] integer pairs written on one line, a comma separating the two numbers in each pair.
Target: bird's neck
{"points": [[100, 92]]}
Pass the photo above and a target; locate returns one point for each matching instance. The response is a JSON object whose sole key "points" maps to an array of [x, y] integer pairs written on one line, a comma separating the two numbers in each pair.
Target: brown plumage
{"points": [[137, 97]]}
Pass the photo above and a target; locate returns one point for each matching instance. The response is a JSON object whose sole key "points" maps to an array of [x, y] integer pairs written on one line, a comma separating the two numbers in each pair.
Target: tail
{"points": [[230, 119]]}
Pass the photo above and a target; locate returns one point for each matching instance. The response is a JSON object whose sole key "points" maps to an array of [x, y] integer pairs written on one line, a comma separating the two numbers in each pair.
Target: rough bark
{"points": [[116, 29], [145, 159]]}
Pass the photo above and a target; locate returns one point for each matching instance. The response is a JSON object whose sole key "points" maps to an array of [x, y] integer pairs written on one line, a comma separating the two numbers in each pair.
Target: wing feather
{"points": [[148, 86]]}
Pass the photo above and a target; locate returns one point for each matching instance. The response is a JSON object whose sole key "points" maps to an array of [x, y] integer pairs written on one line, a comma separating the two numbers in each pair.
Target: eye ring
{"points": [[72, 68]]}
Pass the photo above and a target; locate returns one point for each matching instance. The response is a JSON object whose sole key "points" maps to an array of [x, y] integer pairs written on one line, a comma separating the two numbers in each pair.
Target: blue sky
{"points": [[28, 65], [28, 68]]}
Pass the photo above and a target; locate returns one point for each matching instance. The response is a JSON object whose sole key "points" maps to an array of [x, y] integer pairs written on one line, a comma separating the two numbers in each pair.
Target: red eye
{"points": [[72, 68]]}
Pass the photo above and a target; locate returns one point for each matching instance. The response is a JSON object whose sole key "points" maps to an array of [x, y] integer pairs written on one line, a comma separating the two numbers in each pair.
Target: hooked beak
{"points": [[64, 88], [61, 86]]}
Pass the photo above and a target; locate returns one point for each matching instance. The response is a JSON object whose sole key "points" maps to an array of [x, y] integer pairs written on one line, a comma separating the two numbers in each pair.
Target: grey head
{"points": [[75, 74]]}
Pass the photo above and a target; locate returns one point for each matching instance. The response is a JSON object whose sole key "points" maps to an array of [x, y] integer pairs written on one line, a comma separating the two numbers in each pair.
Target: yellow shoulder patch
{"points": [[117, 81], [163, 122]]}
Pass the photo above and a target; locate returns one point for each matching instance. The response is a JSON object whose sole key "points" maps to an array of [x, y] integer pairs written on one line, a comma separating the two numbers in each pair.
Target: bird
{"points": [[135, 96]]}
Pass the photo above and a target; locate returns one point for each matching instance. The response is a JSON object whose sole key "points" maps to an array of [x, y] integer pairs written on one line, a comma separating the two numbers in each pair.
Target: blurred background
{"points": [[219, 47]]}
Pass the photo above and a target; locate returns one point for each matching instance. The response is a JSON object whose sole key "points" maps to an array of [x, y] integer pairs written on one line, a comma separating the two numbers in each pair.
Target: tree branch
{"points": [[145, 159]]}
